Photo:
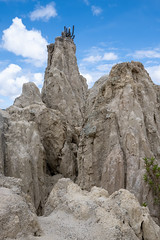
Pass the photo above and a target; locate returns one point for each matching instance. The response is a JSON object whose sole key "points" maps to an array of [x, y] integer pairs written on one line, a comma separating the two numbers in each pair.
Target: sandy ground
{"points": [[62, 226]]}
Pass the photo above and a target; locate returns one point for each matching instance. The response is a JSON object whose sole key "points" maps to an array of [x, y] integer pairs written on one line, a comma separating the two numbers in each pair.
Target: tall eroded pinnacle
{"points": [[64, 88]]}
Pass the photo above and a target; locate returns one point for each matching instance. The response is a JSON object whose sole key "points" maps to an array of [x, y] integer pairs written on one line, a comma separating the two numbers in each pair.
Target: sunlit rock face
{"points": [[64, 88], [17, 215], [96, 215], [122, 126]]}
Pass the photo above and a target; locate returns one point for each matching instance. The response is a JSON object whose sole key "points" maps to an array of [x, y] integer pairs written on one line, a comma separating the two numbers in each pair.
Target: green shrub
{"points": [[144, 204], [152, 177]]}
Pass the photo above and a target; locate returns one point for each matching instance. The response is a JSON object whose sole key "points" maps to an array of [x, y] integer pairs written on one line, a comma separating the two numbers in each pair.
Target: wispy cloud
{"points": [[86, 2], [26, 43], [139, 54], [96, 10], [93, 74], [92, 59], [44, 12], [108, 56], [97, 62], [105, 67]]}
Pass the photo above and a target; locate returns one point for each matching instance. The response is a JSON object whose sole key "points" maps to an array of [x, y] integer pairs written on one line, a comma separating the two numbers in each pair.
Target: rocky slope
{"points": [[95, 137], [71, 213]]}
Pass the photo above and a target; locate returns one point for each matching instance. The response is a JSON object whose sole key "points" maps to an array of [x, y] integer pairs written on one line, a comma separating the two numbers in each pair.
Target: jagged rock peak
{"points": [[129, 71], [64, 88], [63, 44], [30, 95], [122, 126]]}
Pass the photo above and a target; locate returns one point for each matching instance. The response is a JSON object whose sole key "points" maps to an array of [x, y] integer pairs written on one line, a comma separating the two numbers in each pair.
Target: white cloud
{"points": [[89, 78], [38, 78], [12, 79], [44, 13], [92, 76], [146, 54], [154, 73], [27, 43], [93, 59], [96, 10], [105, 67], [97, 63], [109, 56]]}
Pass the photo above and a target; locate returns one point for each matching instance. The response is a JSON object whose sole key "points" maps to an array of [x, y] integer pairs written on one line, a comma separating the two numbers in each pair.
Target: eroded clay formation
{"points": [[96, 138]]}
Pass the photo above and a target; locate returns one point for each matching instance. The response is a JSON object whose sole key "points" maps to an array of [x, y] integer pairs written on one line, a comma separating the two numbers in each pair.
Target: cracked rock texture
{"points": [[121, 127], [17, 216], [96, 137], [64, 88], [96, 215]]}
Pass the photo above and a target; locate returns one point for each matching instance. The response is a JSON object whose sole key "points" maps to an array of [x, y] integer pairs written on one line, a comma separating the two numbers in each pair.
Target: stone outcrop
{"points": [[24, 154], [64, 88], [95, 137], [30, 95], [122, 126], [17, 216], [39, 143], [96, 215]]}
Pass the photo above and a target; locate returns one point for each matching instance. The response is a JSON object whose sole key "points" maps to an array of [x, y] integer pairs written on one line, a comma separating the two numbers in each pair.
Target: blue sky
{"points": [[107, 32]]}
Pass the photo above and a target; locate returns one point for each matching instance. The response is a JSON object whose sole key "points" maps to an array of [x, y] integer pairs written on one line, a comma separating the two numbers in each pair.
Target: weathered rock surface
{"points": [[3, 122], [17, 216], [95, 215], [30, 95], [59, 141], [24, 155], [64, 88], [122, 126], [38, 142]]}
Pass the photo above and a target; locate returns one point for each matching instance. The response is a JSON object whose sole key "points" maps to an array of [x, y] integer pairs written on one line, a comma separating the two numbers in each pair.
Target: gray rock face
{"points": [[3, 121], [96, 215], [30, 95], [39, 144], [64, 88], [24, 155], [121, 128], [17, 216]]}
